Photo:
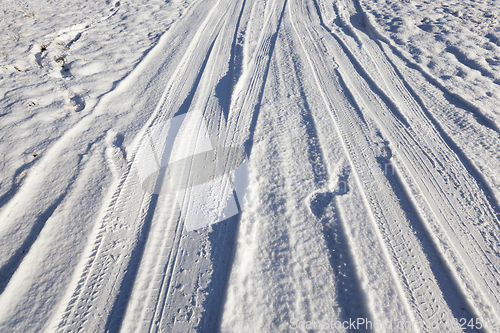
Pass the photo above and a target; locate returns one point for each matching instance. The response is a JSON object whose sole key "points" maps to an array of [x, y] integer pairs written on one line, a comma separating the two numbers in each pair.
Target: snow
{"points": [[249, 166]]}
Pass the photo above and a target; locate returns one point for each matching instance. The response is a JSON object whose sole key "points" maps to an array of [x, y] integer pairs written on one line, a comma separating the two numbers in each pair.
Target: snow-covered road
{"points": [[367, 194]]}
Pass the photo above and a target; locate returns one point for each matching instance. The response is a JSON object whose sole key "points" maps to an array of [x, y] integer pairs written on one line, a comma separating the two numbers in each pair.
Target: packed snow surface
{"points": [[249, 166]]}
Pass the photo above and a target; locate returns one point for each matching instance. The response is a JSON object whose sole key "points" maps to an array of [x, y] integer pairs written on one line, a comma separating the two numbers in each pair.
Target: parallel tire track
{"points": [[433, 220], [222, 54], [462, 175], [112, 247], [361, 165]]}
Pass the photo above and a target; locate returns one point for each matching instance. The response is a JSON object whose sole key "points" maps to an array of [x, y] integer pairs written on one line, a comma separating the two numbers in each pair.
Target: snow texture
{"points": [[249, 166]]}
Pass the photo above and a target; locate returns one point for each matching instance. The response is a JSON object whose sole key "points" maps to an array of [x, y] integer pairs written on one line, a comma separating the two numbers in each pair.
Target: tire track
{"points": [[343, 133], [201, 96], [455, 168], [105, 265], [452, 98], [107, 258], [368, 251], [283, 257], [392, 233], [196, 97], [398, 90], [165, 317], [41, 285], [249, 90], [204, 97], [422, 216], [454, 111], [323, 202]]}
